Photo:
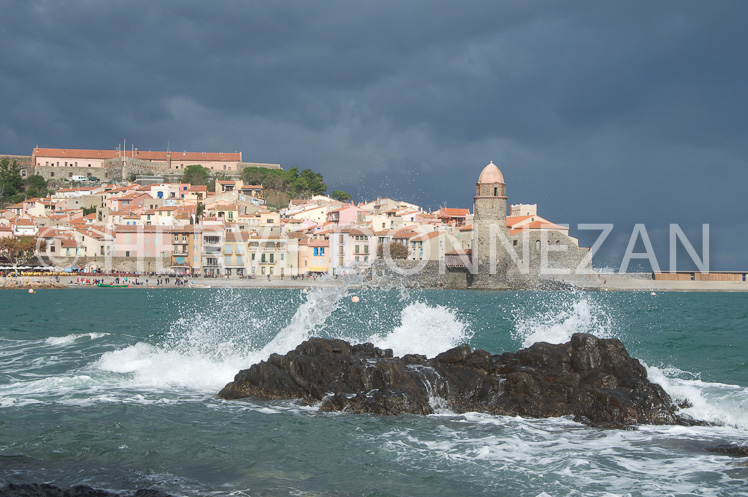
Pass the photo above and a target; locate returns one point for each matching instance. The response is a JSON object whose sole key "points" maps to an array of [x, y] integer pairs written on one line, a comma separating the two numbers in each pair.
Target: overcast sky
{"points": [[598, 111]]}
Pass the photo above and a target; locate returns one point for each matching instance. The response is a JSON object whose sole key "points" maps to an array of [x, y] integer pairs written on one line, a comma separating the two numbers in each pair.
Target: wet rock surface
{"points": [[46, 490], [731, 449], [593, 380]]}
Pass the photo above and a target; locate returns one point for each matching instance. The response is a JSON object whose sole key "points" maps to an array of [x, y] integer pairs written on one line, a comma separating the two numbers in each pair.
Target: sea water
{"points": [[117, 388]]}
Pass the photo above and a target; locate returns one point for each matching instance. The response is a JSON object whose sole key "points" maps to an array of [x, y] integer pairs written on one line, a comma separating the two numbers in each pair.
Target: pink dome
{"points": [[490, 174]]}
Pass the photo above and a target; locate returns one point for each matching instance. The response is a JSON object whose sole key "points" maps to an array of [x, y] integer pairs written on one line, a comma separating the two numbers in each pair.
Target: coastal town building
{"points": [[118, 164], [179, 228]]}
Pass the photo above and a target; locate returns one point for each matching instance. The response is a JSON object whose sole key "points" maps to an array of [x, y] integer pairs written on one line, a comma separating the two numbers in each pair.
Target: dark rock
{"points": [[731, 450], [46, 490], [593, 380]]}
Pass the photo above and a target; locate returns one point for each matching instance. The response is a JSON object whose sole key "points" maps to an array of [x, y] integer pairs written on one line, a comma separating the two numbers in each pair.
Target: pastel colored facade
{"points": [[141, 242], [345, 215], [235, 247], [351, 249], [186, 251], [62, 158], [76, 164], [273, 257], [317, 214], [314, 256]]}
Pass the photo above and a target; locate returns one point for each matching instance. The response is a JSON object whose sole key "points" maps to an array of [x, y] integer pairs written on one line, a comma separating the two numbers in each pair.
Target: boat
{"points": [[112, 286]]}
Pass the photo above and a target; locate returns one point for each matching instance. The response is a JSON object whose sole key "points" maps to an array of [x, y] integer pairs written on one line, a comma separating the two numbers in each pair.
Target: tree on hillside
{"points": [[253, 175], [19, 249], [11, 182], [340, 195], [36, 186], [314, 182], [196, 175]]}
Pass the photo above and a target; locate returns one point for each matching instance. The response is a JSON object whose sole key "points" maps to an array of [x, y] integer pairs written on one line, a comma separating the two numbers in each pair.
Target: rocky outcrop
{"points": [[46, 490], [731, 449], [593, 380]]}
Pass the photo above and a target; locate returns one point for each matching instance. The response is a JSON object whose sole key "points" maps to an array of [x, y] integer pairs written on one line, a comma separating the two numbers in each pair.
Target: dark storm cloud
{"points": [[598, 111]]}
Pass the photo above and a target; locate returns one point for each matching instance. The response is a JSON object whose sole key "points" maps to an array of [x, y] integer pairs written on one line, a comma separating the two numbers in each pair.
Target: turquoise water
{"points": [[116, 389]]}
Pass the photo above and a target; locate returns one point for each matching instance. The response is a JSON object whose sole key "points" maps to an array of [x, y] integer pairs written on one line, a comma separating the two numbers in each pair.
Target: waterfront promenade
{"points": [[602, 282]]}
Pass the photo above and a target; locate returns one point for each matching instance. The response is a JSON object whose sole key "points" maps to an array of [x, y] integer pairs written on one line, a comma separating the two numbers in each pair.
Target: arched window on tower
{"points": [[495, 191]]}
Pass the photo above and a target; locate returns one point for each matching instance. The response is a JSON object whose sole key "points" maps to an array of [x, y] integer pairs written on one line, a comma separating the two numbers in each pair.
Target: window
{"points": [[253, 256], [52, 174], [283, 256], [366, 249], [271, 259], [227, 249], [262, 258], [357, 250], [515, 242], [127, 253]]}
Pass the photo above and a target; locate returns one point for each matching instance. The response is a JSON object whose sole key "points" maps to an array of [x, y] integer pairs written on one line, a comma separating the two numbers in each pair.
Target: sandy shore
{"points": [[38, 282], [603, 282], [639, 283]]}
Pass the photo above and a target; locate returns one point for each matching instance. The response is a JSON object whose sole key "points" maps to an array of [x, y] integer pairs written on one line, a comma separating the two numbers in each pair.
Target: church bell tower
{"points": [[489, 218]]}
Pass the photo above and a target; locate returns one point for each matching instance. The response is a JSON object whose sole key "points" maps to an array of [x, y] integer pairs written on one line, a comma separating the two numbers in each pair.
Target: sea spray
{"points": [[204, 348], [425, 329], [555, 317]]}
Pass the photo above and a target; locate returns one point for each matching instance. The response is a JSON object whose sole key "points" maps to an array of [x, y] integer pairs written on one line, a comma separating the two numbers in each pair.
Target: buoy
{"points": [[304, 290], [653, 293], [31, 290], [355, 298]]}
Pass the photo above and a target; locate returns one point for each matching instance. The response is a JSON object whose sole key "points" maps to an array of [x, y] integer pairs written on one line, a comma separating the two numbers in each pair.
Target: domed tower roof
{"points": [[490, 175]]}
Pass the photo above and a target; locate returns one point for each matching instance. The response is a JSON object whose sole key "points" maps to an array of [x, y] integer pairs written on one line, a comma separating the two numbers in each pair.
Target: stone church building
{"points": [[511, 252]]}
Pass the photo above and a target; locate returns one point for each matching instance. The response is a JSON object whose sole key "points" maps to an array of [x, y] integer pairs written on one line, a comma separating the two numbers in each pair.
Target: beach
{"points": [[636, 282]]}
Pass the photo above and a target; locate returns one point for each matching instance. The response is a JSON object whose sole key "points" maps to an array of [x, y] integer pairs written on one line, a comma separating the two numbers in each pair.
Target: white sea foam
{"points": [[68, 339], [150, 366], [713, 402], [560, 316], [204, 350], [425, 329]]}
